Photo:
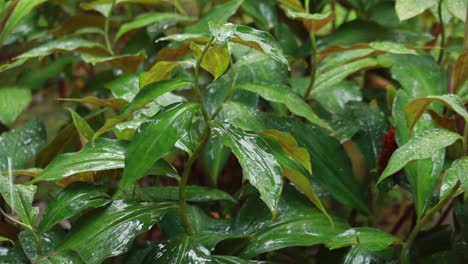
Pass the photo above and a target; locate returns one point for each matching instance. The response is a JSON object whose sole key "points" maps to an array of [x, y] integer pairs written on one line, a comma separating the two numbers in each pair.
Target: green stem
{"points": [[198, 150], [179, 7], [465, 138], [428, 216], [442, 33], [333, 9], [313, 66], [465, 41], [37, 239], [106, 30]]}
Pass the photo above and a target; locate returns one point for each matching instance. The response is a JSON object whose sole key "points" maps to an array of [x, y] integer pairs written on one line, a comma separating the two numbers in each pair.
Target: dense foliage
{"points": [[242, 131]]}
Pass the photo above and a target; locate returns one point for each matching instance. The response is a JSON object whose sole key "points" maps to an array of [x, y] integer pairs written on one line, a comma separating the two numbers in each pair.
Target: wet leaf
{"points": [[216, 59], [19, 198], [313, 22], [214, 158], [127, 62], [124, 87], [417, 107], [155, 139], [22, 9], [116, 104], [423, 146], [407, 9], [457, 8], [70, 44], [104, 154], [192, 193], [284, 95], [218, 14], [259, 166], [21, 144], [456, 172], [84, 130], [162, 70], [184, 250], [13, 101], [112, 231], [260, 40], [365, 237], [294, 172], [71, 202], [297, 224], [334, 175], [146, 95], [162, 20]]}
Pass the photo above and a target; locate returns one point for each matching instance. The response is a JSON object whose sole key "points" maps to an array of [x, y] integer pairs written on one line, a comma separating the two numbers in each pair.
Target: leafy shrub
{"points": [[233, 131]]}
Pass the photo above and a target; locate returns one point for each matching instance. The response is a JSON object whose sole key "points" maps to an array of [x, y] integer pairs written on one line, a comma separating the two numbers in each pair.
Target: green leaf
{"points": [[222, 32], [162, 20], [338, 74], [155, 139], [407, 9], [417, 107], [22, 9], [104, 154], [19, 198], [111, 232], [334, 175], [21, 144], [192, 193], [145, 96], [293, 160], [126, 62], [214, 157], [365, 237], [261, 40], [259, 166], [216, 59], [4, 239], [296, 224], [117, 104], [457, 8], [84, 130], [357, 254], [456, 172], [422, 146], [124, 87], [313, 22], [184, 250], [218, 14], [13, 101], [161, 70], [71, 44], [284, 95], [71, 202]]}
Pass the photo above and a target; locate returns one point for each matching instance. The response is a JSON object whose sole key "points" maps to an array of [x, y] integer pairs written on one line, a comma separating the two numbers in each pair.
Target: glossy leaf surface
{"points": [[259, 166], [409, 8], [71, 202], [364, 237], [416, 108], [19, 198], [13, 101], [216, 59], [422, 146], [21, 144], [104, 154], [155, 139], [192, 193], [218, 14], [456, 172], [112, 231], [285, 96]]}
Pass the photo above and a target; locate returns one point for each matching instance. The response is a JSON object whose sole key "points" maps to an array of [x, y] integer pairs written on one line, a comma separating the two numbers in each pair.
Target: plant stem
{"points": [[465, 40], [442, 33], [313, 56], [37, 239], [313, 65], [106, 30], [428, 216], [333, 9], [198, 150], [179, 7]]}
